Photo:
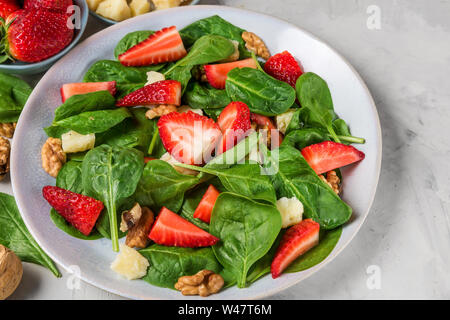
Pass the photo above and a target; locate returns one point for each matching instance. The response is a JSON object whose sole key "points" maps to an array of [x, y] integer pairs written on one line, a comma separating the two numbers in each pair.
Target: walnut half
{"points": [[159, 111], [7, 129], [256, 45], [138, 221], [5, 149], [203, 283], [53, 156], [332, 180]]}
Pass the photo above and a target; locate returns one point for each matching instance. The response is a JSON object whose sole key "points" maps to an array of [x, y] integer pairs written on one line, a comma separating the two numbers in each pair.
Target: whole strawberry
{"points": [[7, 7], [35, 35], [80, 211], [54, 5]]}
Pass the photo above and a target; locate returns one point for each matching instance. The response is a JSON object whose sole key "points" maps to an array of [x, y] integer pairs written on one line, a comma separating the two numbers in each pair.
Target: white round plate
{"points": [[352, 101]]}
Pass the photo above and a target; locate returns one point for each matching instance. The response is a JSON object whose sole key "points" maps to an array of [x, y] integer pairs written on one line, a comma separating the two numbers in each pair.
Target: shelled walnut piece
{"points": [[10, 272], [53, 156], [203, 283], [138, 222], [7, 129], [5, 150], [256, 45], [332, 180], [159, 111]]}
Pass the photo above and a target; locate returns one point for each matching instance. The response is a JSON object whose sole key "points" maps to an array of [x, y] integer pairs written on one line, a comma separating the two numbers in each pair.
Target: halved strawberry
{"points": [[329, 155], [71, 89], [217, 73], [163, 46], [80, 211], [234, 121], [170, 229], [265, 123], [161, 92], [189, 137], [296, 241], [284, 67], [206, 205]]}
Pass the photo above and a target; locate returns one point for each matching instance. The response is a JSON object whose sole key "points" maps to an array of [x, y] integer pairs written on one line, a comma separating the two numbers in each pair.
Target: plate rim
{"points": [[273, 290]]}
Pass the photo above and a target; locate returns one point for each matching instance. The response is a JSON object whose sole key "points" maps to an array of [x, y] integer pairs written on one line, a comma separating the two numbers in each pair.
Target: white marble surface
{"points": [[406, 65]]}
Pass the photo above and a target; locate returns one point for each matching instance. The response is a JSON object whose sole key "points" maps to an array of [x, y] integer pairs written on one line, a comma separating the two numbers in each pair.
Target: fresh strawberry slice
{"points": [[161, 92], [296, 241], [80, 211], [189, 137], [71, 89], [329, 155], [206, 205], [283, 67], [8, 7], [265, 123], [234, 121], [217, 73], [163, 46], [170, 229]]}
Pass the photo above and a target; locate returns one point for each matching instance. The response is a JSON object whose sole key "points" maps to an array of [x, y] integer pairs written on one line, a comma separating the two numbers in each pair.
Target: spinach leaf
{"points": [[111, 174], [135, 132], [262, 93], [161, 185], [15, 235], [305, 137], [327, 241], [213, 113], [77, 104], [167, 264], [181, 74], [243, 179], [89, 122], [214, 25], [201, 97], [247, 230], [130, 40], [69, 178], [293, 177], [317, 105], [14, 93], [343, 132], [128, 79]]}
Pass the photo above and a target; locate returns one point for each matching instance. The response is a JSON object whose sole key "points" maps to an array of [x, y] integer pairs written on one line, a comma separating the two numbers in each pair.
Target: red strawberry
{"points": [[54, 5], [234, 121], [71, 89], [206, 205], [170, 229], [162, 92], [328, 155], [80, 211], [265, 123], [36, 34], [190, 138], [163, 46], [296, 241], [217, 73], [7, 7], [283, 67]]}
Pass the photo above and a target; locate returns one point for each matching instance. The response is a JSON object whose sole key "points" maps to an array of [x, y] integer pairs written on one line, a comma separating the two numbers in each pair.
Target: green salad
{"points": [[217, 162]]}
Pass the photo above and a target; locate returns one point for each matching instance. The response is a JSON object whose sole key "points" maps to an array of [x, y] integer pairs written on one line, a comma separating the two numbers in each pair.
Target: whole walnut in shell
{"points": [[10, 272]]}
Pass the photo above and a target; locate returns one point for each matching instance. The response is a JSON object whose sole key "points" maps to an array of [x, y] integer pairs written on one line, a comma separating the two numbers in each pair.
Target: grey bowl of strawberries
{"points": [[34, 34]]}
